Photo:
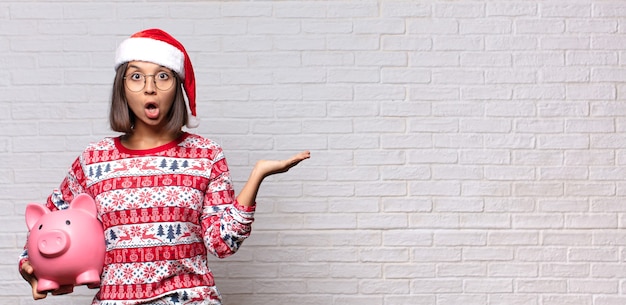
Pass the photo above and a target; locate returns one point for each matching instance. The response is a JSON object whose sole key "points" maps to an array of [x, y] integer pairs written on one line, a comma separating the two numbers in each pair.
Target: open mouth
{"points": [[152, 110]]}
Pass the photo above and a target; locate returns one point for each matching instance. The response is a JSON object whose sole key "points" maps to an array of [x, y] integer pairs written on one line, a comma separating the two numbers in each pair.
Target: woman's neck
{"points": [[144, 139]]}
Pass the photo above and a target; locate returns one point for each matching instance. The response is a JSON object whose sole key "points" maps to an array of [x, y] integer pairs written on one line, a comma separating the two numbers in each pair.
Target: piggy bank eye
{"points": [[40, 226], [67, 222]]}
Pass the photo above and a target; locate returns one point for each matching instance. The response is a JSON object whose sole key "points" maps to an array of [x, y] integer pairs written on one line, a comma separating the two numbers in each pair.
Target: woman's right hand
{"points": [[28, 273]]}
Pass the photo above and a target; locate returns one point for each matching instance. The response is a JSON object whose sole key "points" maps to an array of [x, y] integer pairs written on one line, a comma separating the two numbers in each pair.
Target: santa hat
{"points": [[159, 47]]}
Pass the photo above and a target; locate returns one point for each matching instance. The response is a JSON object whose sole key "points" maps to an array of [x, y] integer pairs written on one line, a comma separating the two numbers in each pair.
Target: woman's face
{"points": [[150, 103]]}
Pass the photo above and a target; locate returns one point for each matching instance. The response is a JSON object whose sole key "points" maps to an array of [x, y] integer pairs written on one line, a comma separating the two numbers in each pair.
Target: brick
{"points": [[514, 9], [591, 26], [488, 254], [564, 75], [513, 299], [444, 286], [567, 299], [541, 286], [563, 205], [518, 76], [419, 26], [591, 58], [563, 43], [376, 189], [36, 11], [245, 44], [405, 205], [543, 26], [377, 26], [355, 270], [570, 270], [559, 109], [566, 10], [485, 221], [459, 10], [608, 10], [456, 141], [538, 59], [457, 43], [319, 58], [363, 42], [562, 142], [384, 255], [483, 26], [489, 286], [545, 254], [332, 287], [405, 9], [458, 205], [353, 142], [438, 188], [515, 269], [351, 10], [486, 93], [459, 239], [502, 43], [385, 286], [538, 222]]}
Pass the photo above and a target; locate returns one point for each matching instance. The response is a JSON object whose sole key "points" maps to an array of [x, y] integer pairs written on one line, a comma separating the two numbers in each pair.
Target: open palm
{"points": [[271, 167]]}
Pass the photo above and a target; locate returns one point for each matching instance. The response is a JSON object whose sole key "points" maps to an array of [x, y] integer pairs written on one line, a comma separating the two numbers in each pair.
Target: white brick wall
{"points": [[464, 152]]}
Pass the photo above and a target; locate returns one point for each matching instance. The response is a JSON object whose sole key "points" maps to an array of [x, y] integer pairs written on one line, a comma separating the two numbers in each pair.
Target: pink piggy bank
{"points": [[65, 247]]}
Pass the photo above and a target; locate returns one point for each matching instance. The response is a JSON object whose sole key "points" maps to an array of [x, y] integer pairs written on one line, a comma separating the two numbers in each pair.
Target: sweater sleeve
{"points": [[72, 185], [225, 223]]}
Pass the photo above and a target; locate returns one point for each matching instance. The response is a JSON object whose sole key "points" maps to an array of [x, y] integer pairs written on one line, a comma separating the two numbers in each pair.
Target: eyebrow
{"points": [[139, 68]]}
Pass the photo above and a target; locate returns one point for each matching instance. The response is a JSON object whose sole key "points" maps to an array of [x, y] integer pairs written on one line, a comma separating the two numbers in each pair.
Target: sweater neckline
{"points": [[158, 149]]}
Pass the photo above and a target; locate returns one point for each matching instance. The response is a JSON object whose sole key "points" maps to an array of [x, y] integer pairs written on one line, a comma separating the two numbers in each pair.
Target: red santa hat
{"points": [[159, 47]]}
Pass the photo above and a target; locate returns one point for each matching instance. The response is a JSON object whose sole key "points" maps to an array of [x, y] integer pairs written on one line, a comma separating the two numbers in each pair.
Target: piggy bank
{"points": [[65, 247]]}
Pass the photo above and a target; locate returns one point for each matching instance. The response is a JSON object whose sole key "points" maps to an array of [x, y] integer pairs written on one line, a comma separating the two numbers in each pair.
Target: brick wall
{"points": [[464, 152]]}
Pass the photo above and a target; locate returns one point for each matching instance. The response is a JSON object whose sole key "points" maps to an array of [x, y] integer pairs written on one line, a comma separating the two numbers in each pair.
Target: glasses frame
{"points": [[145, 79]]}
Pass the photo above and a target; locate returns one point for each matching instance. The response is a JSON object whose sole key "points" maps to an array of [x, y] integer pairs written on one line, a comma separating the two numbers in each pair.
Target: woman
{"points": [[178, 181]]}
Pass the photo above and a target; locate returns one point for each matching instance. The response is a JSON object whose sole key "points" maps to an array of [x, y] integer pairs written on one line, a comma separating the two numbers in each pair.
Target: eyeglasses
{"points": [[137, 81]]}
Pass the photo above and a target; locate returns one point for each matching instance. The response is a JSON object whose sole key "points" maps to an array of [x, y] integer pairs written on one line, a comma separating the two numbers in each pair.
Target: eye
{"points": [[67, 222], [163, 76], [40, 226], [136, 76]]}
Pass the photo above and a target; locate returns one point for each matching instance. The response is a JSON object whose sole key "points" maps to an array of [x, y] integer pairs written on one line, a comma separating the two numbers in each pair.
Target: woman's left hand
{"points": [[270, 167]]}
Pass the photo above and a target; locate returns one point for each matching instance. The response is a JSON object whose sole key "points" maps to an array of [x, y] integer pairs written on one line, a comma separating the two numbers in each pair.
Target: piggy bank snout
{"points": [[53, 243]]}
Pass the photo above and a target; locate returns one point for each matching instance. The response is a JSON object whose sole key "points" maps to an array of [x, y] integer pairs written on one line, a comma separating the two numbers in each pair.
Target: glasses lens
{"points": [[163, 81], [135, 81]]}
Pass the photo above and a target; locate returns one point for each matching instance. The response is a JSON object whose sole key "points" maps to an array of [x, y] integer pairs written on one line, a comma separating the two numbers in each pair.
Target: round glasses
{"points": [[137, 81]]}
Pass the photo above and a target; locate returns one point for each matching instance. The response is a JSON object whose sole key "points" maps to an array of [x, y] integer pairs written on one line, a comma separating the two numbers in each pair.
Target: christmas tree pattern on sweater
{"points": [[162, 210]]}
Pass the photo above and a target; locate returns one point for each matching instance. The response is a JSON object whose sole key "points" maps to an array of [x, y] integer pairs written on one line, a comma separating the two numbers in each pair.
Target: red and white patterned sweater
{"points": [[163, 210]]}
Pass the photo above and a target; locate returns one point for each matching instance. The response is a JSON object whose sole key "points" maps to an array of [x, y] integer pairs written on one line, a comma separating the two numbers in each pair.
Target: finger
{"points": [[304, 155], [299, 157], [295, 160], [27, 272], [27, 268], [36, 294]]}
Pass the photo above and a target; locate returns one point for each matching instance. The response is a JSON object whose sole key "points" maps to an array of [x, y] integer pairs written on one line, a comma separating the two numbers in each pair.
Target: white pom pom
{"points": [[193, 121]]}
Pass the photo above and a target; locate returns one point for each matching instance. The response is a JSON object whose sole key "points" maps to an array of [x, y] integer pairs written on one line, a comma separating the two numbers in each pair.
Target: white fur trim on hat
{"points": [[151, 50]]}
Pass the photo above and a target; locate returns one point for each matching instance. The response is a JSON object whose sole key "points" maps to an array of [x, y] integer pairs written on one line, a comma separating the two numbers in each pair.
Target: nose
{"points": [[150, 84], [53, 243]]}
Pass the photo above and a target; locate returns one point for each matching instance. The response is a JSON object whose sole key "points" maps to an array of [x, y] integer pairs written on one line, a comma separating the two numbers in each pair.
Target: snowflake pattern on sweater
{"points": [[162, 210]]}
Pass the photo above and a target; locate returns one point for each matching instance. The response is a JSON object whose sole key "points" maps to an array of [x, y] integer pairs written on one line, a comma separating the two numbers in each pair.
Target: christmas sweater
{"points": [[163, 210]]}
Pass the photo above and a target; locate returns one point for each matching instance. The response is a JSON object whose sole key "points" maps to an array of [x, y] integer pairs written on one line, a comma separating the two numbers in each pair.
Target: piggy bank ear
{"points": [[34, 211], [86, 203]]}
